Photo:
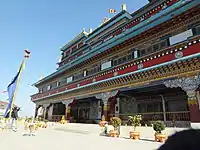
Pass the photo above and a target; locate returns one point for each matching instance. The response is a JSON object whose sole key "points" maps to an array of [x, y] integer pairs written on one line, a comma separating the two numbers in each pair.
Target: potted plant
{"points": [[158, 127], [103, 121], [63, 121], [135, 122], [116, 123], [45, 124]]}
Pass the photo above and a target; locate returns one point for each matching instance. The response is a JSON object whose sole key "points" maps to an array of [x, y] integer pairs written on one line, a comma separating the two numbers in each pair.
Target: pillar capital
{"points": [[106, 95], [188, 84], [68, 108], [46, 105], [67, 102]]}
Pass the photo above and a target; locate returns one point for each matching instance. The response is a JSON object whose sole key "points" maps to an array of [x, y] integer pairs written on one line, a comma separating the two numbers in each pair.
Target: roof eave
{"points": [[78, 37]]}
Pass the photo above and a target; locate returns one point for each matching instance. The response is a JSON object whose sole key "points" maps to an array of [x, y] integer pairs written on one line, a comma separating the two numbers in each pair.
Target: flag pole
{"points": [[15, 93], [27, 53]]}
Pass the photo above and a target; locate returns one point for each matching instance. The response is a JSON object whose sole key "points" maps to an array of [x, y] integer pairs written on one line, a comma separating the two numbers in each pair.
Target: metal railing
{"points": [[170, 116], [150, 116], [55, 118]]}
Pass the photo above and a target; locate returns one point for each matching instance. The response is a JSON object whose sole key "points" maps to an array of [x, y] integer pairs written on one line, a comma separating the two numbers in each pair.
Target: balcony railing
{"points": [[178, 119], [147, 117]]}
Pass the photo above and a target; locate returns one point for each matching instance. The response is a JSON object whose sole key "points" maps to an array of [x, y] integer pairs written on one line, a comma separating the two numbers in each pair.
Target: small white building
{"points": [[3, 105]]}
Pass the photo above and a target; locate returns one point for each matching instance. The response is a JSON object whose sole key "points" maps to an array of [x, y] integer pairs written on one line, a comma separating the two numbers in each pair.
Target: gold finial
{"points": [[105, 19], [124, 7], [90, 30], [83, 30]]}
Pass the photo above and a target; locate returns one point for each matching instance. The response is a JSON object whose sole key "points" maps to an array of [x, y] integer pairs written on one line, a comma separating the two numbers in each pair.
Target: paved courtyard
{"points": [[61, 137]]}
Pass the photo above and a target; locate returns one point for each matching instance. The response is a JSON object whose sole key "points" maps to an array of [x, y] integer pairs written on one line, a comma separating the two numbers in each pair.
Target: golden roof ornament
{"points": [[124, 7]]}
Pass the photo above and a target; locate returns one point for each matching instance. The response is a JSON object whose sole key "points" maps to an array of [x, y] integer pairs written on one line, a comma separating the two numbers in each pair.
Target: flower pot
{"points": [[134, 135], [159, 137], [113, 133], [102, 123], [31, 128], [36, 128], [62, 121], [44, 125], [25, 126]]}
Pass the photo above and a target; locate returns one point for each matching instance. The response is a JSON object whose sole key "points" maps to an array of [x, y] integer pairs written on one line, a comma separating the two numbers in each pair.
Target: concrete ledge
{"points": [[195, 125]]}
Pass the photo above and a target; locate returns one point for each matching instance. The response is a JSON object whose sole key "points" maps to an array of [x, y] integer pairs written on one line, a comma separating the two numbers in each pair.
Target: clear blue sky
{"points": [[43, 26]]}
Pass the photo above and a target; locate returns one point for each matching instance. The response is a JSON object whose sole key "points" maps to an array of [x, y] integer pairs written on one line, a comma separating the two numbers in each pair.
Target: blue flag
{"points": [[11, 91]]}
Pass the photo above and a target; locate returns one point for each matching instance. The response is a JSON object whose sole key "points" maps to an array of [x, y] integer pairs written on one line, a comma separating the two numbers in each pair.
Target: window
{"points": [[129, 57], [53, 85], [142, 52], [124, 59], [40, 90], [135, 54], [44, 89], [163, 44], [70, 79], [198, 30], [78, 76], [114, 62], [85, 73], [58, 84], [149, 50], [49, 87], [155, 47], [119, 61], [63, 81], [180, 37]]}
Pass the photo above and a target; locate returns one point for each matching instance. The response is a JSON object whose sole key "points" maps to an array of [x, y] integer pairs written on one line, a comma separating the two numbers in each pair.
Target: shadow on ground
{"points": [[72, 131], [28, 134]]}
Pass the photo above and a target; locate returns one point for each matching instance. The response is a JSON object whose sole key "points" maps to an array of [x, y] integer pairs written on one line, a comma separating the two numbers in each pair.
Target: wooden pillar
{"points": [[105, 109], [117, 107], [36, 110], [194, 109], [45, 110], [190, 86], [67, 108], [105, 97], [163, 107], [50, 112]]}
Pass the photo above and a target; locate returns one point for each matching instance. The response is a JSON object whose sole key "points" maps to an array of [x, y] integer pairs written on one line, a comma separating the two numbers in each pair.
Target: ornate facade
{"points": [[147, 62]]}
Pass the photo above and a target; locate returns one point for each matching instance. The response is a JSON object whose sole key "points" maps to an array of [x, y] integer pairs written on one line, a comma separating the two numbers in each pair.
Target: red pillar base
{"points": [[195, 116]]}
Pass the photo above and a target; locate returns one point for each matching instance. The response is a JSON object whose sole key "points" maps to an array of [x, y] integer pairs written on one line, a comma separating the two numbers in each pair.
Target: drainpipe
{"points": [[163, 105]]}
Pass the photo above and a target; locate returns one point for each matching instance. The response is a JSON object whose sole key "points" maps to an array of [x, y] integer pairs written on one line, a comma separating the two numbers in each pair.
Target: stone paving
{"points": [[70, 137]]}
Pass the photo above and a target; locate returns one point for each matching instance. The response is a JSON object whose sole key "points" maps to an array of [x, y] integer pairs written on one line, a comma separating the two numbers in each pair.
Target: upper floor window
{"points": [[53, 85], [69, 79], [48, 87], [78, 76], [94, 69], [106, 65], [40, 90], [63, 81]]}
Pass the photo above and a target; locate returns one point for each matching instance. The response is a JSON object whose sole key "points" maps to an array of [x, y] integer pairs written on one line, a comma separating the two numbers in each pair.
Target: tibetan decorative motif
{"points": [[179, 54], [140, 66], [188, 84], [115, 73], [67, 102], [192, 101], [94, 80], [105, 96]]}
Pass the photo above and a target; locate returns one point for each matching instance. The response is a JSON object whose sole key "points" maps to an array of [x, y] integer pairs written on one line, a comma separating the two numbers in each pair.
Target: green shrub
{"points": [[135, 120], [115, 122], [158, 126]]}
